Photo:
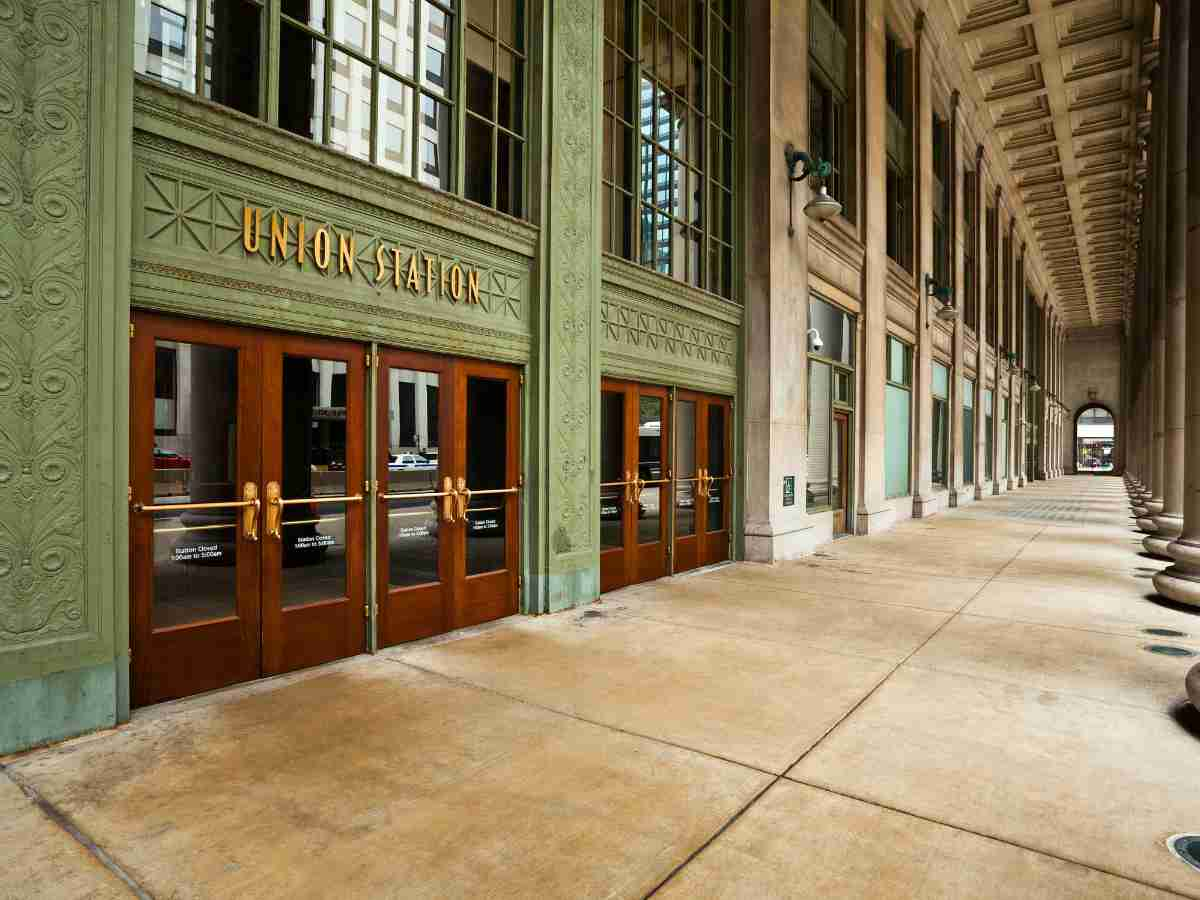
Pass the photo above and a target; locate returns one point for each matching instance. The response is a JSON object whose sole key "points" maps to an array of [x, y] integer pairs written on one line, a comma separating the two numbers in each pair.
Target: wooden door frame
{"points": [[391, 629], [151, 680], [615, 561], [345, 628], [488, 595], [844, 467]]}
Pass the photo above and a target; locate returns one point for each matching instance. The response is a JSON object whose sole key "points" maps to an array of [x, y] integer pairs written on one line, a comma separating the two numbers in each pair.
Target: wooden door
{"points": [[314, 531], [486, 461], [717, 485], [195, 416], [416, 516], [635, 440], [703, 480], [840, 468]]}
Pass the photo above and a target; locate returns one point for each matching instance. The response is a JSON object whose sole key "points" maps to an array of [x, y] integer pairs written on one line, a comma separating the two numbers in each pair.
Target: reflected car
{"points": [[410, 461], [169, 459]]}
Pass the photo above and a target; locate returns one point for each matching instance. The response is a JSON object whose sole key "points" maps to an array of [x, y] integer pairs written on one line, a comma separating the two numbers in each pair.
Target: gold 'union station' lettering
{"points": [[420, 273]]}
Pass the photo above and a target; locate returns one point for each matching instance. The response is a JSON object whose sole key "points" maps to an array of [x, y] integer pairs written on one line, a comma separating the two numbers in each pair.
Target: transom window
{"points": [[668, 138], [376, 79]]}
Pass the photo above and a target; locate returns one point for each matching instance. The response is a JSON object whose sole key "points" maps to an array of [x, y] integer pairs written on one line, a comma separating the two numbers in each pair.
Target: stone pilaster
{"points": [[957, 247], [923, 499], [567, 391], [875, 513], [1169, 522], [1181, 582], [777, 286], [66, 79]]}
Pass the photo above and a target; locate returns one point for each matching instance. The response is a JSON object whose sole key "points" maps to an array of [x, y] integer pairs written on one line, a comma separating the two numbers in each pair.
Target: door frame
{"points": [[332, 628]]}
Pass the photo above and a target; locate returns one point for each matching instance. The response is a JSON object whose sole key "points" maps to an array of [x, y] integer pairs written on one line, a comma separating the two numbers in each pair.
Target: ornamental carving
{"points": [[710, 346], [44, 49]]}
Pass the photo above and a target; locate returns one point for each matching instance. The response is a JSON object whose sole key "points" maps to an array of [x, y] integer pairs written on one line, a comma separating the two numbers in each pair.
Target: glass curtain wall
{"points": [[830, 388], [669, 125], [378, 80], [941, 424], [968, 425], [898, 420]]}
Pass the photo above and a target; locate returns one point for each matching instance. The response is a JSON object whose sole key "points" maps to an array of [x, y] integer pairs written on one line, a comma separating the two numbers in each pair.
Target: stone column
{"points": [[777, 285], [983, 312], [1169, 522], [1018, 290], [1158, 346], [565, 393], [1181, 582], [957, 244], [923, 503]]}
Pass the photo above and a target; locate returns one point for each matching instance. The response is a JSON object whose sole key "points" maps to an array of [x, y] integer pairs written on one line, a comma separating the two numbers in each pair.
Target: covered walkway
{"points": [[964, 706]]}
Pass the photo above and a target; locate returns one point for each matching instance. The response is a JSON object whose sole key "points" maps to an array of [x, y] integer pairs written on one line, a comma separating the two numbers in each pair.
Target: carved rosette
{"points": [[44, 54]]}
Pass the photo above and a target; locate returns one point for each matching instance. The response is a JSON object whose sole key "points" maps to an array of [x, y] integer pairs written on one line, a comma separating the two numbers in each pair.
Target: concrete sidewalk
{"points": [[962, 707]]}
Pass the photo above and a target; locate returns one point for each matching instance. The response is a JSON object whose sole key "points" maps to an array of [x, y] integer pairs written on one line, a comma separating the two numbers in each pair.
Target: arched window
{"points": [[1095, 437]]}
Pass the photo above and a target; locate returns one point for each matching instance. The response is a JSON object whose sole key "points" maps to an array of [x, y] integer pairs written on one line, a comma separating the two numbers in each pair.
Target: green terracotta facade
{"points": [[118, 193]]}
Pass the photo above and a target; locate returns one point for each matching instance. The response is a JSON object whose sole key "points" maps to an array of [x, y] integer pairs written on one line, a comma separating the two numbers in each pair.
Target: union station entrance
{"points": [[251, 487], [666, 473]]}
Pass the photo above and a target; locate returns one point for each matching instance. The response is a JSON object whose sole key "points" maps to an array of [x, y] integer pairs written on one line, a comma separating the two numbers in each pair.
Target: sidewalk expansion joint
{"points": [[72, 828]]}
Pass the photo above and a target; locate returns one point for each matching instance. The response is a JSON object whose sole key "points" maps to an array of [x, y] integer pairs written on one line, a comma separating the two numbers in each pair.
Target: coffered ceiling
{"points": [[1062, 83]]}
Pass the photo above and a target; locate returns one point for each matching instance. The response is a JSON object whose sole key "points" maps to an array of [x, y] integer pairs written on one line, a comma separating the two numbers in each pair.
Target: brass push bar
{"points": [[250, 504], [296, 501], [431, 495]]}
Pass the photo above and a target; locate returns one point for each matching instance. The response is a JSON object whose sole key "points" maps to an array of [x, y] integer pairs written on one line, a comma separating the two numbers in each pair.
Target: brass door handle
{"points": [[449, 496], [250, 513], [274, 510], [462, 498]]}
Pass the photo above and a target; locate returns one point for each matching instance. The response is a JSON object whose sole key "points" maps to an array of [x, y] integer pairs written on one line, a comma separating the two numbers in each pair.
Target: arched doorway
{"points": [[1095, 439]]}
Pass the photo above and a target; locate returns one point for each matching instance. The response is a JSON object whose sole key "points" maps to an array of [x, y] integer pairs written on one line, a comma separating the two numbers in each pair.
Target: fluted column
{"points": [[1158, 337], [1169, 522], [1181, 582]]}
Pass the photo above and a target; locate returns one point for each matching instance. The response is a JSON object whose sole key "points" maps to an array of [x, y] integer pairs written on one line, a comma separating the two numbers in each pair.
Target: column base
{"points": [[1146, 525], [875, 522], [924, 507], [768, 546], [1021, 481], [1011, 484], [1156, 546], [1181, 582], [952, 500], [1192, 683], [978, 491]]}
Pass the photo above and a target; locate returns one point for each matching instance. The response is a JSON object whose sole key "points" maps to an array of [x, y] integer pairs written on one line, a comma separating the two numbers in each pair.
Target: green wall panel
{"points": [[57, 706], [657, 330]]}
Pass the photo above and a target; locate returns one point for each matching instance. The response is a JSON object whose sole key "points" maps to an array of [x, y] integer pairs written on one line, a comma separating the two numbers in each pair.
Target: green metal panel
{"points": [[659, 331], [196, 168], [63, 371], [565, 391]]}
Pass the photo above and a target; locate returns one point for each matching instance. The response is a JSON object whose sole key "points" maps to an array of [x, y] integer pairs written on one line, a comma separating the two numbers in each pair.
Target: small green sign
{"points": [[789, 490]]}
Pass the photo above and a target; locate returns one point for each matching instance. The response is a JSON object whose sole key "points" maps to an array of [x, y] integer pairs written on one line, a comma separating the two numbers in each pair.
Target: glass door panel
{"points": [[412, 507], [487, 430], [195, 462], [313, 525], [650, 468], [613, 481], [685, 468]]}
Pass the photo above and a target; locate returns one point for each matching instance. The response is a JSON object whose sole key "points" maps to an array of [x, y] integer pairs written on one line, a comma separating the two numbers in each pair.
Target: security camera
{"points": [[815, 344]]}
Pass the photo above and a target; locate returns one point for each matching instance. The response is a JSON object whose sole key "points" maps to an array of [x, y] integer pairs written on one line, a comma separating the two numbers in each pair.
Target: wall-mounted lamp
{"points": [[1035, 386], [946, 310], [1011, 356], [820, 207], [815, 344]]}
